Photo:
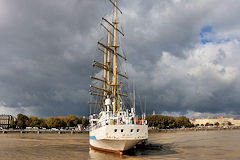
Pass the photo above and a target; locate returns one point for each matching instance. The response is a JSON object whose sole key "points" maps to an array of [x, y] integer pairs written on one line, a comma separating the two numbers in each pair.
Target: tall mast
{"points": [[104, 78], [110, 86], [134, 99], [115, 60], [106, 72], [108, 58]]}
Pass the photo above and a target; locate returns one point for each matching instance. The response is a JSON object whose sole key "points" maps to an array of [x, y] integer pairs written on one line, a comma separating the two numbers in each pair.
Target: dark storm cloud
{"points": [[174, 27], [46, 49]]}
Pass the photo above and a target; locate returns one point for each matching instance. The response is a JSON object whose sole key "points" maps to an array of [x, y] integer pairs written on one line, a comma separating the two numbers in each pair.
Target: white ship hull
{"points": [[117, 138], [117, 146]]}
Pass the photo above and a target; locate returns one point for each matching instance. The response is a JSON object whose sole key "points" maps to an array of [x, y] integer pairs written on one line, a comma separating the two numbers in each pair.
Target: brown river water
{"points": [[202, 145]]}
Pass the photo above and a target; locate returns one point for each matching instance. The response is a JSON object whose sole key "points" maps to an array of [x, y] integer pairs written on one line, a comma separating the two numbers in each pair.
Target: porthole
{"points": [[115, 130], [122, 130], [131, 130], [137, 130]]}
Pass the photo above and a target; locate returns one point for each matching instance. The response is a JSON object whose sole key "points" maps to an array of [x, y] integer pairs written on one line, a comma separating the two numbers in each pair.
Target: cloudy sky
{"points": [[183, 54]]}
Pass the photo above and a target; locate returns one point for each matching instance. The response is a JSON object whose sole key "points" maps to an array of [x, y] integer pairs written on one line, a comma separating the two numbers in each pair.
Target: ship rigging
{"points": [[114, 125]]}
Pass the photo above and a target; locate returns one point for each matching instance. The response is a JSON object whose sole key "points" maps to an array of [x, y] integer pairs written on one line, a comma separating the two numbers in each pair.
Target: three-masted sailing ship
{"points": [[114, 126]]}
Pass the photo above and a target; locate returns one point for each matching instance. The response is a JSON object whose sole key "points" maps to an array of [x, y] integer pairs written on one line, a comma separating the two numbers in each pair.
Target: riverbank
{"points": [[192, 129], [25, 131]]}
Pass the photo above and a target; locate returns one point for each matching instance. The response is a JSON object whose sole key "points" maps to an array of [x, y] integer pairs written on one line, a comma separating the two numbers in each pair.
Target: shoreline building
{"points": [[5, 120], [219, 121]]}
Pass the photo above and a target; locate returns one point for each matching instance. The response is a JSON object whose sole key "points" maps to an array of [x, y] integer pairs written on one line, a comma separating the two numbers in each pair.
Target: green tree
{"points": [[162, 122], [183, 122], [54, 122], [85, 122], [43, 123], [33, 122], [22, 120], [13, 123], [71, 120]]}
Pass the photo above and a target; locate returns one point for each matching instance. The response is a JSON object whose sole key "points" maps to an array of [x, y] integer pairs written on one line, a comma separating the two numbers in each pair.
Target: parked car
{"points": [[55, 129]]}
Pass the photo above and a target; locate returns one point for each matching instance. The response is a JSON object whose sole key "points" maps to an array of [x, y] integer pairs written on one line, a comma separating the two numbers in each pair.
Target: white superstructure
{"points": [[116, 132]]}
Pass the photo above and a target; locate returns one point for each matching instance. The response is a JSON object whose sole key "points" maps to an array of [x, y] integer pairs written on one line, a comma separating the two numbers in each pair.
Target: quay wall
{"points": [[24, 131], [150, 130], [192, 129]]}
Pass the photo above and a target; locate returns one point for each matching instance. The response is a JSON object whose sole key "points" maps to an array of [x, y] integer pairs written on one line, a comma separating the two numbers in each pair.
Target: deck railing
{"points": [[117, 121]]}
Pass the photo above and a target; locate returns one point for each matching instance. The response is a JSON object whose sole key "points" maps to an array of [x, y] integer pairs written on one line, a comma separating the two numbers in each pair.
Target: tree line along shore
{"points": [[154, 121], [168, 122], [159, 123], [22, 122]]}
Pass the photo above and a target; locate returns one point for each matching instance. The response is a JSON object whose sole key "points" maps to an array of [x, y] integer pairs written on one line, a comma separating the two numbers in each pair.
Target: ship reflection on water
{"points": [[136, 153]]}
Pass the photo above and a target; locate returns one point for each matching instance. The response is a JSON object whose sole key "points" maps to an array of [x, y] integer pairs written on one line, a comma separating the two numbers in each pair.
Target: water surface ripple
{"points": [[221, 145]]}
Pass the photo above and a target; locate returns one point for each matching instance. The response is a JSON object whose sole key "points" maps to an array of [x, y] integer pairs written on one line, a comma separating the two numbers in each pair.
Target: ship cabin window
{"points": [[122, 130], [137, 130], [115, 130], [131, 130]]}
